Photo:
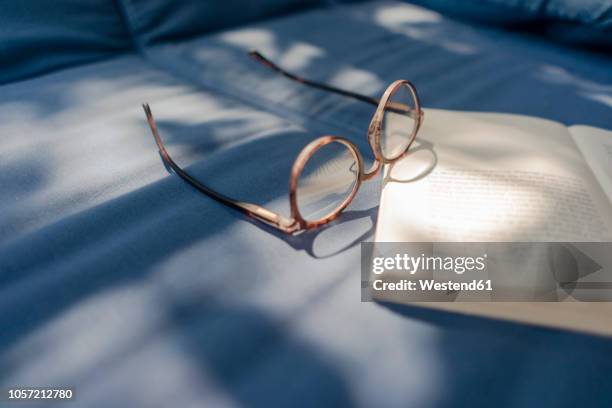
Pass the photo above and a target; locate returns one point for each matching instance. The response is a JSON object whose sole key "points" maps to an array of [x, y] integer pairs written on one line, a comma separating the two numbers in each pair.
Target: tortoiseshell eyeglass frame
{"points": [[296, 222]]}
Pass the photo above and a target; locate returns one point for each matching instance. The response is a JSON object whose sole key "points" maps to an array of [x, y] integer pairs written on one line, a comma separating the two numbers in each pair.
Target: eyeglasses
{"points": [[327, 173]]}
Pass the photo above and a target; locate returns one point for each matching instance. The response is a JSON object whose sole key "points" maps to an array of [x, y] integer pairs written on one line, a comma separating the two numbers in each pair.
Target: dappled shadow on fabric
{"points": [[99, 270], [453, 65]]}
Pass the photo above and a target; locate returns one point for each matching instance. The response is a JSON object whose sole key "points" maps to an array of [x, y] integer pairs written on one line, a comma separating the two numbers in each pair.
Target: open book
{"points": [[488, 177]]}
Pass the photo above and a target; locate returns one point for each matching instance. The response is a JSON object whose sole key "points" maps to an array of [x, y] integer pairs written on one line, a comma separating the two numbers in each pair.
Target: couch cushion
{"points": [[37, 36], [594, 13], [489, 11], [454, 65], [98, 241], [73, 139], [155, 21], [584, 22], [118, 278]]}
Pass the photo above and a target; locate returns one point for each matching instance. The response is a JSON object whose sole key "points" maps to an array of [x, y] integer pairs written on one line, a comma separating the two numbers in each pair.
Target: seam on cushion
{"points": [[124, 11], [255, 101], [252, 100], [124, 8]]}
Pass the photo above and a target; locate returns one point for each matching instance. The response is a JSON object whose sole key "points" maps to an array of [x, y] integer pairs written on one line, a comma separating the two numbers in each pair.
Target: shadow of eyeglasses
{"points": [[307, 240], [399, 171]]}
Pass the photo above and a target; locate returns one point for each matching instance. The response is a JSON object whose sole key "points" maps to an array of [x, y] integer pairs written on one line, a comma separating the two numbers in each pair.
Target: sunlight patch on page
{"points": [[509, 206], [492, 177]]}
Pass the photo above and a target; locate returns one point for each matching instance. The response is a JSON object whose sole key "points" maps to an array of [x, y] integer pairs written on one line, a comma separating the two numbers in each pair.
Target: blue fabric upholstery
{"points": [[595, 13], [37, 36], [118, 278], [580, 22], [140, 292], [489, 11], [155, 21]]}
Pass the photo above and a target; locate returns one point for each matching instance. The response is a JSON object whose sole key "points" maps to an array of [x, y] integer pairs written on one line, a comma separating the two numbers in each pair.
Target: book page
{"points": [[492, 177], [496, 177], [596, 147]]}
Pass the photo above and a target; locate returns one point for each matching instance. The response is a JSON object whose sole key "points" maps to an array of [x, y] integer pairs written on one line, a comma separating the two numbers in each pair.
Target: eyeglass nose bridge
{"points": [[372, 171]]}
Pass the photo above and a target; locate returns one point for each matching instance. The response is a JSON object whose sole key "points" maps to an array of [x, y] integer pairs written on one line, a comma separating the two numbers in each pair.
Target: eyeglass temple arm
{"points": [[260, 213], [395, 106]]}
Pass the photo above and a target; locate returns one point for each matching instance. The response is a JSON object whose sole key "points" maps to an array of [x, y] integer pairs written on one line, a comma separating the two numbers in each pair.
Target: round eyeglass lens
{"points": [[328, 178], [399, 122]]}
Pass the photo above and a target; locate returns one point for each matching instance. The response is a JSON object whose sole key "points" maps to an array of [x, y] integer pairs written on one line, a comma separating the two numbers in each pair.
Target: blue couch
{"points": [[122, 281]]}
